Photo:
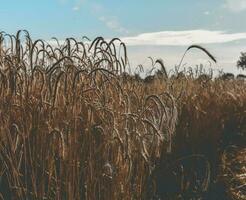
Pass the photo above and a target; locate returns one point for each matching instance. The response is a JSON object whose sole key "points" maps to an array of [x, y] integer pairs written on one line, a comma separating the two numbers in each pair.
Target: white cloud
{"points": [[183, 38], [206, 13], [113, 24], [235, 5]]}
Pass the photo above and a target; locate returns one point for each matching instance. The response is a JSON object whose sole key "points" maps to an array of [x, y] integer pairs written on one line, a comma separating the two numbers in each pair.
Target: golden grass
{"points": [[234, 171], [74, 125]]}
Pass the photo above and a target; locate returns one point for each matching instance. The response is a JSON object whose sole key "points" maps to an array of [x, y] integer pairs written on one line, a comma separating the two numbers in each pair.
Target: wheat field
{"points": [[75, 124]]}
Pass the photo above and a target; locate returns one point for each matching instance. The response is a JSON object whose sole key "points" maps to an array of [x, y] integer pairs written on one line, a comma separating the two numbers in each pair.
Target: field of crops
{"points": [[74, 124]]}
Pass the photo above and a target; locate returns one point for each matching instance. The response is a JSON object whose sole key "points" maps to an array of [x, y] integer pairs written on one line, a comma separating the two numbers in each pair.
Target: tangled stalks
{"points": [[70, 127], [74, 124]]}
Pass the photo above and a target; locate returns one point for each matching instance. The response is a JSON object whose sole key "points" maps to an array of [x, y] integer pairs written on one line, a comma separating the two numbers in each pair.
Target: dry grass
{"points": [[234, 171], [74, 125]]}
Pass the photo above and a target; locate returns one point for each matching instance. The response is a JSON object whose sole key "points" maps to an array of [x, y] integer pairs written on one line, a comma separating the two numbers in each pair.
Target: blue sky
{"points": [[158, 28]]}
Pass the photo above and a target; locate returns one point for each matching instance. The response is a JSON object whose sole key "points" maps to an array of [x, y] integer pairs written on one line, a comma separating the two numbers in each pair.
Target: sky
{"points": [[157, 28]]}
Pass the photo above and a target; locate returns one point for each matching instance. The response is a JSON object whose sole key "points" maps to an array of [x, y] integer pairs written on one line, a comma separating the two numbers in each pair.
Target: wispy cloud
{"points": [[103, 15], [235, 5], [76, 8], [78, 5], [113, 24], [183, 38], [206, 12]]}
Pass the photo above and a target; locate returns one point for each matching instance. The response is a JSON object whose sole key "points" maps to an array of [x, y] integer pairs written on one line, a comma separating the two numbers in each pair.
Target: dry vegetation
{"points": [[75, 125]]}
